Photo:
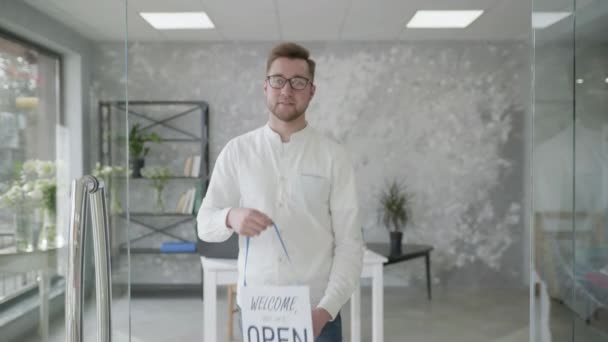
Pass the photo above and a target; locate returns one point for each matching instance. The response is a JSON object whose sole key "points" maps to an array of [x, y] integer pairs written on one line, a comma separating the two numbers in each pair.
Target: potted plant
{"points": [[137, 148], [395, 213]]}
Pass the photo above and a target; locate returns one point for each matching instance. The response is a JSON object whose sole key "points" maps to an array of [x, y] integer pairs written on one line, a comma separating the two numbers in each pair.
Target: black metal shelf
{"points": [[150, 250], [146, 289], [182, 140], [143, 213], [170, 177], [179, 122]]}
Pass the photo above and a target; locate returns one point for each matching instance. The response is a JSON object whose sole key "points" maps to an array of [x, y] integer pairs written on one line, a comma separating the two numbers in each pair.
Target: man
{"points": [[287, 174]]}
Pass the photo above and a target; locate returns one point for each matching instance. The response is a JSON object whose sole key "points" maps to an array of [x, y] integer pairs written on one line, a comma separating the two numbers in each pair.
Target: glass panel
{"points": [[49, 136], [570, 160], [168, 149], [591, 171], [553, 281], [447, 118]]}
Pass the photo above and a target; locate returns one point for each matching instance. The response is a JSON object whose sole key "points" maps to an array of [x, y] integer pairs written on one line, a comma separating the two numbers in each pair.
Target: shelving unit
{"points": [[184, 129]]}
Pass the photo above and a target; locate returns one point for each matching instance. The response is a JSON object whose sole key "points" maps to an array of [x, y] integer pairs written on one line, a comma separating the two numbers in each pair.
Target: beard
{"points": [[286, 113]]}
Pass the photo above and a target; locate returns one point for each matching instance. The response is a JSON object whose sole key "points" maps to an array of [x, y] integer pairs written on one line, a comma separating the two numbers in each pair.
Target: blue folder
{"points": [[178, 247]]}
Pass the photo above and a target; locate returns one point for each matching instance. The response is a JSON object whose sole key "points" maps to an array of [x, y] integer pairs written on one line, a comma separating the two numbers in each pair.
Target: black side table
{"points": [[409, 252]]}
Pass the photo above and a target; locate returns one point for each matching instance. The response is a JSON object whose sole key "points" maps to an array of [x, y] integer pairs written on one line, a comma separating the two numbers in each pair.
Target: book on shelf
{"points": [[192, 166], [186, 202], [188, 167], [181, 203], [196, 166]]}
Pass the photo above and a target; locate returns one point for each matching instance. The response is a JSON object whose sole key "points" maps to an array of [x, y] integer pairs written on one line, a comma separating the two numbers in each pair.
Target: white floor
{"points": [[455, 316]]}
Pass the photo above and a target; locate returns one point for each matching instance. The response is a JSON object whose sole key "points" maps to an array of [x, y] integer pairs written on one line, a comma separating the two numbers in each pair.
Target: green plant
{"points": [[395, 207], [159, 177], [138, 139], [49, 198]]}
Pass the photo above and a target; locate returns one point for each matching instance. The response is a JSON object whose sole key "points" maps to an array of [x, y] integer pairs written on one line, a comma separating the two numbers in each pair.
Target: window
{"points": [[29, 115]]}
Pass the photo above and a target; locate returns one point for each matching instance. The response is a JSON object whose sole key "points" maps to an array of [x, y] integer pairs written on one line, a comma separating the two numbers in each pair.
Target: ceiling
{"points": [[271, 20]]}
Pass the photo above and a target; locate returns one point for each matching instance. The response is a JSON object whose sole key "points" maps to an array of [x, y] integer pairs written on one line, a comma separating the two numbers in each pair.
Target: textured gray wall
{"points": [[446, 118]]}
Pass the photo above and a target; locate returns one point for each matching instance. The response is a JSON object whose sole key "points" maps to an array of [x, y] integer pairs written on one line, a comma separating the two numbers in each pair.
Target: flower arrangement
{"points": [[35, 187], [159, 176], [105, 173]]}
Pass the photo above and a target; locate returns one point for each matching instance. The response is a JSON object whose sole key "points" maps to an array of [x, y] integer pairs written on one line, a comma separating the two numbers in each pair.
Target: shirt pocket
{"points": [[312, 191]]}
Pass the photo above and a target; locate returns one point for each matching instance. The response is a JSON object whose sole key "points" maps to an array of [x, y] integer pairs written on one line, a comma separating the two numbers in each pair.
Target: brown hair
{"points": [[291, 51]]}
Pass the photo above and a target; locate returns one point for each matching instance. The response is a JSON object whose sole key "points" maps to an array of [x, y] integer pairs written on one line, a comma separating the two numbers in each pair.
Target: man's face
{"points": [[286, 103]]}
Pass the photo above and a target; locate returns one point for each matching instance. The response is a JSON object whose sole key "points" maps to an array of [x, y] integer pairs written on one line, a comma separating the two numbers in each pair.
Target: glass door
{"points": [[590, 243], [49, 135], [569, 210]]}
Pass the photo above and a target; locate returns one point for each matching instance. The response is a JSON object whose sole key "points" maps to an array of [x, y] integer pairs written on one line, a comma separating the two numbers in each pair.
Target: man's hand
{"points": [[247, 222], [320, 317]]}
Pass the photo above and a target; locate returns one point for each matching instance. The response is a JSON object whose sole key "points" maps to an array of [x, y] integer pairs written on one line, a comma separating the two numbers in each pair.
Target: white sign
{"points": [[276, 313]]}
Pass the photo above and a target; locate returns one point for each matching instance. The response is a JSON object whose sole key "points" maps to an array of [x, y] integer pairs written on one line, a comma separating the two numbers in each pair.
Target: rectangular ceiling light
{"points": [[178, 20], [541, 20], [443, 19]]}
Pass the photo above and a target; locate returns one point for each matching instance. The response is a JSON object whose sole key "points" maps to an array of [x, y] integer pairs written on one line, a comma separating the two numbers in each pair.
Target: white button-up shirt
{"points": [[307, 187]]}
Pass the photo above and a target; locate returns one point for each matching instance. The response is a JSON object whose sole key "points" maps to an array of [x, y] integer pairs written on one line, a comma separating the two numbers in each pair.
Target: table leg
{"points": [[427, 258], [377, 304], [210, 306], [355, 316], [43, 288]]}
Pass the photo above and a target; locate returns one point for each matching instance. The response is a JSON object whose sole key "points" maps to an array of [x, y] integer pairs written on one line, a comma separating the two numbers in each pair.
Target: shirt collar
{"points": [[295, 136]]}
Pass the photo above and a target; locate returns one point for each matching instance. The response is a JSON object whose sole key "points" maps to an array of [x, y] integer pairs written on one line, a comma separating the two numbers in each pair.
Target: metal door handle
{"points": [[86, 191]]}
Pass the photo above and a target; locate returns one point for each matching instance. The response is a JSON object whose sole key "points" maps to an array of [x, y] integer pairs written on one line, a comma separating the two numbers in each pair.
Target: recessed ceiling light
{"points": [[541, 20], [178, 20], [443, 19], [606, 80], [580, 81]]}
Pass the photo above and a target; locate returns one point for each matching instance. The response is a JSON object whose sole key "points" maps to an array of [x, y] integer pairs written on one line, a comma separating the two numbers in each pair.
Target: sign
{"points": [[276, 313]]}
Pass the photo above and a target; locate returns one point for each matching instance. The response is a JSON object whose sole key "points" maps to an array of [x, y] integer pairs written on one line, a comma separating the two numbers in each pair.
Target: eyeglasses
{"points": [[296, 83]]}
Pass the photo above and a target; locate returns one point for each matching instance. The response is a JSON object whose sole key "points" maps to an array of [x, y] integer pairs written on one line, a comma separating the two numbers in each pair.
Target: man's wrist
{"points": [[228, 225]]}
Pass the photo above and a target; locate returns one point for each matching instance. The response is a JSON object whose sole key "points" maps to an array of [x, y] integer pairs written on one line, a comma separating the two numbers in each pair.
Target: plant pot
{"points": [[396, 238], [137, 165]]}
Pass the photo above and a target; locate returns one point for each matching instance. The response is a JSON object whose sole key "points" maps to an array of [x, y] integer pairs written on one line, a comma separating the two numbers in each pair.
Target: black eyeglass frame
{"points": [[288, 80]]}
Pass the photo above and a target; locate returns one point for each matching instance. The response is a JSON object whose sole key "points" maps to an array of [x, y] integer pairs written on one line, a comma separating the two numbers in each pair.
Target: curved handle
{"points": [[103, 286], [83, 188], [75, 280]]}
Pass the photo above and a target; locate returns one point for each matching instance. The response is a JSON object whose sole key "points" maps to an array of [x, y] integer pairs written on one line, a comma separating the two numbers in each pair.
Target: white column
{"points": [[355, 316], [210, 305], [377, 304]]}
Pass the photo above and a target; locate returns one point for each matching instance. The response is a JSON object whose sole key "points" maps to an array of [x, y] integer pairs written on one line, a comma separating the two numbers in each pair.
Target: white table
{"points": [[42, 261], [219, 272]]}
